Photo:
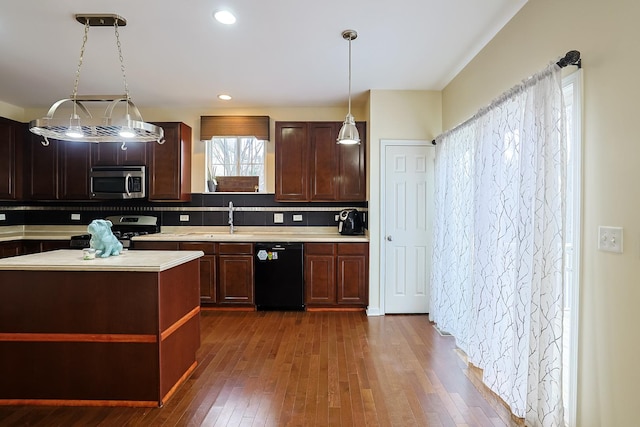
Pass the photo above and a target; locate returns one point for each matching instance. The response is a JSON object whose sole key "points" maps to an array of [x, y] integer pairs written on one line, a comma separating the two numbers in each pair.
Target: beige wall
{"points": [[607, 34], [413, 115], [11, 112]]}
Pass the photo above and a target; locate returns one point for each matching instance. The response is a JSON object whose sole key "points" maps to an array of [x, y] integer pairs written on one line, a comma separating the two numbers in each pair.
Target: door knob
{"points": [[389, 238]]}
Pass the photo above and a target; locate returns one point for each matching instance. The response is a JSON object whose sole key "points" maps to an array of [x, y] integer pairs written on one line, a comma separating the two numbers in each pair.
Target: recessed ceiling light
{"points": [[224, 97], [225, 17]]}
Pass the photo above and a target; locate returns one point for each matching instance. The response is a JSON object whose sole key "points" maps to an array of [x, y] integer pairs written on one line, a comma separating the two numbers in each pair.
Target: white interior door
{"points": [[407, 234]]}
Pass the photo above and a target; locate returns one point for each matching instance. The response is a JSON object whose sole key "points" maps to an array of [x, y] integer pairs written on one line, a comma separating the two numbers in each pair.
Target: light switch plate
{"points": [[75, 217], [610, 239], [297, 217], [184, 218], [278, 218]]}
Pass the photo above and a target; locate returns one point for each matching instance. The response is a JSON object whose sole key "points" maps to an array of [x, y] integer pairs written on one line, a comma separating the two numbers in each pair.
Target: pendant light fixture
{"points": [[349, 133], [127, 127]]}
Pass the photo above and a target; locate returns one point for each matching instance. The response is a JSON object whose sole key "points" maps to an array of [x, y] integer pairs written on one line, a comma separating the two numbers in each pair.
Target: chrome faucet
{"points": [[231, 217]]}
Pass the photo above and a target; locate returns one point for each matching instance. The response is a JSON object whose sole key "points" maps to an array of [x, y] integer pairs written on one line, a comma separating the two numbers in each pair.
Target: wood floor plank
{"points": [[308, 369]]}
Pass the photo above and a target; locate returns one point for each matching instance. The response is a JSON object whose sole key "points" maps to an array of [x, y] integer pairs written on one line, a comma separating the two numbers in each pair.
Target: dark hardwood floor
{"points": [[307, 369]]}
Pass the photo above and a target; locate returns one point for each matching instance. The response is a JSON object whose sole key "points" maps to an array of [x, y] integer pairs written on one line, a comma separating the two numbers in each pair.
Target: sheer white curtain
{"points": [[497, 277]]}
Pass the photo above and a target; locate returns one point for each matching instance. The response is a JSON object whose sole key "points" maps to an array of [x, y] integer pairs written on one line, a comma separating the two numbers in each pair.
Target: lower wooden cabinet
{"points": [[9, 249], [208, 294], [226, 270], [24, 247], [235, 274], [336, 274]]}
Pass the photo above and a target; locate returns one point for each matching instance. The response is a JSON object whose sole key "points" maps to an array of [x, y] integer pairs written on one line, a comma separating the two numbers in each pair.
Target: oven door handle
{"points": [[126, 184]]}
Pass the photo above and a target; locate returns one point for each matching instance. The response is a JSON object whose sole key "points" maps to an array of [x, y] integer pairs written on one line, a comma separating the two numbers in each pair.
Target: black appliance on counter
{"points": [[279, 282], [124, 228], [350, 222]]}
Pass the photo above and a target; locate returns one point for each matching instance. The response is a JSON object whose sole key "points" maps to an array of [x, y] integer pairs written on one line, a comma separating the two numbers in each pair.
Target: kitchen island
{"points": [[116, 331]]}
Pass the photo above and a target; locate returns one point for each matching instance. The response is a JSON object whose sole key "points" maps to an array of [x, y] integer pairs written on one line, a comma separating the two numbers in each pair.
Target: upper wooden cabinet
{"points": [[58, 171], [310, 166], [112, 154], [169, 164], [11, 157], [292, 161]]}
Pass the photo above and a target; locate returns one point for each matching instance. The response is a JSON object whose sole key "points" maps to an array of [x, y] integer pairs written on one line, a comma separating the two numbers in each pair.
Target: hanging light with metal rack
{"points": [[129, 127]]}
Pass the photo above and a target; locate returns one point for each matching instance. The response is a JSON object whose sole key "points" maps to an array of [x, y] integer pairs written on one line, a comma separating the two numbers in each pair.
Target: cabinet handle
{"points": [[389, 238]]}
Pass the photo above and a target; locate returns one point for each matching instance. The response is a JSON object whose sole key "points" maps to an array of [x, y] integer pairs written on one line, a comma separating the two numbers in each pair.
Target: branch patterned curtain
{"points": [[499, 231]]}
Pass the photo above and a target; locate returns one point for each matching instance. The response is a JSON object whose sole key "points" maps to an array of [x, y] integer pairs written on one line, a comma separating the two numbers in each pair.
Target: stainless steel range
{"points": [[124, 228]]}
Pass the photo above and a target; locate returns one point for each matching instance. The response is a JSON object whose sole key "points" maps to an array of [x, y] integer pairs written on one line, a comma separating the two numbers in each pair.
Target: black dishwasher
{"points": [[279, 282]]}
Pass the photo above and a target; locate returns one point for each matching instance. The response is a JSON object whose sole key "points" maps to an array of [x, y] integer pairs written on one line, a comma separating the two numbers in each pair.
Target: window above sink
{"points": [[235, 163]]}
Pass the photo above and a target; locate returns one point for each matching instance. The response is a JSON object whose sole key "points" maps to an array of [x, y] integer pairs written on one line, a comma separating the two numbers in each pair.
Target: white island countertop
{"points": [[72, 260]]}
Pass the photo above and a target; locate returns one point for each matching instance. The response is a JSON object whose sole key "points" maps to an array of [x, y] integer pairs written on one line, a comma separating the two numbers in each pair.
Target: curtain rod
{"points": [[570, 58]]}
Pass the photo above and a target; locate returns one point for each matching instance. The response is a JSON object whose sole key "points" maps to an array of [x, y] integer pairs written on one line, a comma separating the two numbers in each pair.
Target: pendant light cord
{"points": [[124, 74], [77, 81], [350, 75]]}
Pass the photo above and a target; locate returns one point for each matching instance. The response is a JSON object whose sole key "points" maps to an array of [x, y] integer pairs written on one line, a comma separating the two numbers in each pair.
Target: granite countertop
{"points": [[194, 234], [72, 260], [40, 232], [251, 234]]}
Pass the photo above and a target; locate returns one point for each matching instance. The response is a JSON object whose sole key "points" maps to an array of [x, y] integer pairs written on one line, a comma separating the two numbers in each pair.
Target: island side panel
{"points": [[79, 336], [79, 302], [179, 324]]}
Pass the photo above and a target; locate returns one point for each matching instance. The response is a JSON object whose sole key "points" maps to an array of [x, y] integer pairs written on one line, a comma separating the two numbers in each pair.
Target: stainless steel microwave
{"points": [[117, 182]]}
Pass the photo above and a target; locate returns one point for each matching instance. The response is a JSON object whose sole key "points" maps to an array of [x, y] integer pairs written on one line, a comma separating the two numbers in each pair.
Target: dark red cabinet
{"points": [[310, 166], [12, 135]]}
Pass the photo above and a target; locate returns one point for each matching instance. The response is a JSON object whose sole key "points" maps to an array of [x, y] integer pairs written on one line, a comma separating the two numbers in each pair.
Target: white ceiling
{"points": [[279, 53]]}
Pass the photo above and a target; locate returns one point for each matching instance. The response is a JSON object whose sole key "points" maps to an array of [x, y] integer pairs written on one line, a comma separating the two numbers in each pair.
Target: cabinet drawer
{"points": [[208, 248], [319, 249], [156, 246], [235, 248], [353, 248]]}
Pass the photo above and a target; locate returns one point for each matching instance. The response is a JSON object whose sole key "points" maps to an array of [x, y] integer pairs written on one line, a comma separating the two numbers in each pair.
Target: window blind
{"points": [[257, 126]]}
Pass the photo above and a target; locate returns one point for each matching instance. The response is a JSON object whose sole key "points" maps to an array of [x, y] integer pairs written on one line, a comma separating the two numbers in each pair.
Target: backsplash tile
{"points": [[251, 209]]}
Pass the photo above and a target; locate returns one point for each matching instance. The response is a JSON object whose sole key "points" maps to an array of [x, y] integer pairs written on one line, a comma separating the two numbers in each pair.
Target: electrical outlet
{"points": [[336, 217], [3, 217], [75, 217], [297, 217], [184, 218], [278, 218], [610, 239]]}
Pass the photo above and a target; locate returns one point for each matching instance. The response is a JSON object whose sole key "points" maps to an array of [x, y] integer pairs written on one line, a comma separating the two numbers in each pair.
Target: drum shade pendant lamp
{"points": [[349, 133], [126, 126]]}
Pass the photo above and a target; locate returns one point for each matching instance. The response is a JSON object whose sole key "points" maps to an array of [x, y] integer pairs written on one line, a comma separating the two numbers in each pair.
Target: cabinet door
{"points": [[52, 245], [324, 174], [8, 249], [74, 161], [208, 294], [135, 153], [11, 146], [42, 169], [319, 274], [292, 160], [235, 280], [155, 246], [169, 164], [111, 153], [352, 169], [352, 274]]}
